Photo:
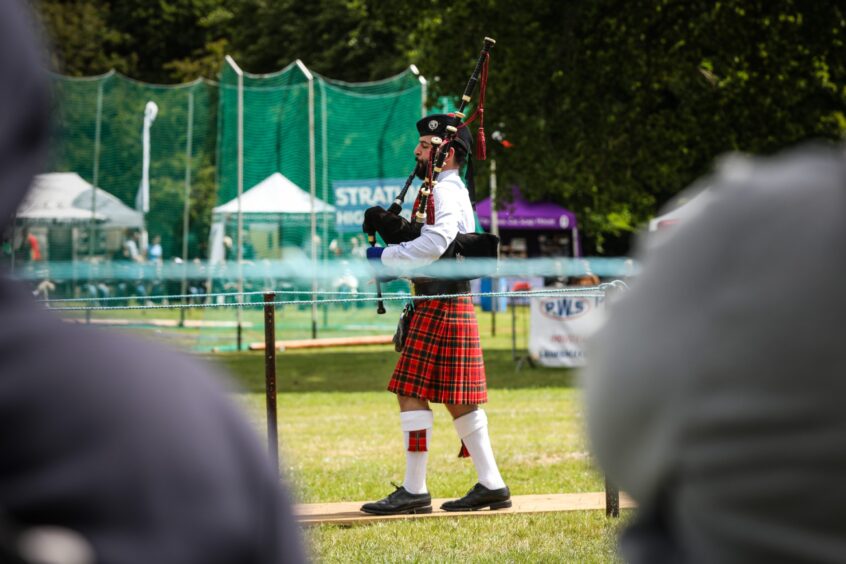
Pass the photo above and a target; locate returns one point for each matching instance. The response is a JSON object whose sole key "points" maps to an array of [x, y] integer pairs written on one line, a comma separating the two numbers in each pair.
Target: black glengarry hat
{"points": [[435, 124]]}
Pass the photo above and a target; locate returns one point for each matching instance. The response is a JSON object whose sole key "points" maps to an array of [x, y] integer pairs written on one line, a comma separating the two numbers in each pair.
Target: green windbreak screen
{"points": [[82, 235], [357, 132], [315, 136], [114, 161]]}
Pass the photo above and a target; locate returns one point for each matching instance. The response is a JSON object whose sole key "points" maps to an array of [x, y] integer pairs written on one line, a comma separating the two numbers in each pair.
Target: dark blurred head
{"points": [[24, 106]]}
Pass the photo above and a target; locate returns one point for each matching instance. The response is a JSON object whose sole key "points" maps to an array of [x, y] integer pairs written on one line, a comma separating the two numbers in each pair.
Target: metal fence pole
{"points": [[612, 492], [423, 84], [187, 206], [92, 234], [239, 252], [324, 165], [270, 375], [96, 168], [312, 192]]}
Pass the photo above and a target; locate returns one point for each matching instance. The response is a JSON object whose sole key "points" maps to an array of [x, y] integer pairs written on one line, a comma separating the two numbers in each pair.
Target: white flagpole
{"points": [[142, 200]]}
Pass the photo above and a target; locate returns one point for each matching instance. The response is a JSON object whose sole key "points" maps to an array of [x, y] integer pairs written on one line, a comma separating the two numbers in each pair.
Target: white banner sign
{"points": [[559, 326]]}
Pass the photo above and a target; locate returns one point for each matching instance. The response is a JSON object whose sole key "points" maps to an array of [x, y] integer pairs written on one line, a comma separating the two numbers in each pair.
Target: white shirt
{"points": [[453, 215]]}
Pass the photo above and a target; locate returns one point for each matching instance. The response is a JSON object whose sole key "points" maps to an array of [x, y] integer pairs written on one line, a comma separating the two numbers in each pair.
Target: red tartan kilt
{"points": [[442, 359]]}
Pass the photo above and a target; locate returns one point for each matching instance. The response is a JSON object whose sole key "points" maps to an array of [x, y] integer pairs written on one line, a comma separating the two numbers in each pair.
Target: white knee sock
{"points": [[417, 428], [472, 428]]}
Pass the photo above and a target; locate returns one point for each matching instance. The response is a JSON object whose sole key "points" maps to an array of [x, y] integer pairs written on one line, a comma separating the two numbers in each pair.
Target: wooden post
{"points": [[612, 493], [270, 375]]}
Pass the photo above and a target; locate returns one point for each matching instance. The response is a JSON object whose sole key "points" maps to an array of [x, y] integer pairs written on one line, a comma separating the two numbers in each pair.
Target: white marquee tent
{"points": [[274, 194], [274, 200], [61, 198]]}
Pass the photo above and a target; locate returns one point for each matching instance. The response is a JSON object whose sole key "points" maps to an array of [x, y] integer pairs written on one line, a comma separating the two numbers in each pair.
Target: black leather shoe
{"points": [[400, 502], [479, 498]]}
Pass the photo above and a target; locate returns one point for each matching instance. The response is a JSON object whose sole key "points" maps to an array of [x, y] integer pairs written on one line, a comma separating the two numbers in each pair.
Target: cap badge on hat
{"points": [[433, 125]]}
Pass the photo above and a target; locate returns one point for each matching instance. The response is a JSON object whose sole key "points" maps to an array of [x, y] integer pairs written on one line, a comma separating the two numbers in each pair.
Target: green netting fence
{"points": [[347, 145], [324, 136], [98, 136], [313, 131]]}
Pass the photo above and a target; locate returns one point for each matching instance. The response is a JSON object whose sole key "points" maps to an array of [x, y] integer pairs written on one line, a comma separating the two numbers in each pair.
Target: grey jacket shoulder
{"points": [[714, 388]]}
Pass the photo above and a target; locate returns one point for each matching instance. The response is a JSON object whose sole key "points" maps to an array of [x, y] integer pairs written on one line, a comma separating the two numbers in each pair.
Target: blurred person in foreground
{"points": [[134, 452], [715, 387]]}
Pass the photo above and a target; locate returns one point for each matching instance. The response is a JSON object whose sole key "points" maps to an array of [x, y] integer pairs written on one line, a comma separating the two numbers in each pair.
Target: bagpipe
{"points": [[395, 229]]}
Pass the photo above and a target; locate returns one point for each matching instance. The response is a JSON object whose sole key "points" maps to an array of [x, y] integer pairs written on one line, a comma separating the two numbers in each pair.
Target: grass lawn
{"points": [[340, 441]]}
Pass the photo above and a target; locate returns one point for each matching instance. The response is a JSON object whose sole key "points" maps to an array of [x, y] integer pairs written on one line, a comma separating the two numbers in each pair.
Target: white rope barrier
{"points": [[590, 291]]}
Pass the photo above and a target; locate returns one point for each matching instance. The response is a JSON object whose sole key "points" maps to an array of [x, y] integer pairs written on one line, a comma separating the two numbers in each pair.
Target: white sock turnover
{"points": [[417, 428], [472, 428]]}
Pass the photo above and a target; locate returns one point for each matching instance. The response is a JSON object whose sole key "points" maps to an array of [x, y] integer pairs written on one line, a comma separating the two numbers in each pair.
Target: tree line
{"points": [[612, 107]]}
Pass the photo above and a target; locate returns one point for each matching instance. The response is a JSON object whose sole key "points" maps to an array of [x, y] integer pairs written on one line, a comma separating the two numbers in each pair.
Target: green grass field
{"points": [[340, 441]]}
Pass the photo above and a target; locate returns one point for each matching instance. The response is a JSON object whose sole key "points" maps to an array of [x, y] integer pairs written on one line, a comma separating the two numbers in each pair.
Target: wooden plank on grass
{"points": [[328, 342], [348, 513]]}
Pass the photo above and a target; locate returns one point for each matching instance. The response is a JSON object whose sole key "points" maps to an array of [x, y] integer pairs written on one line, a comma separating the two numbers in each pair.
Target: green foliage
{"points": [[82, 39], [615, 106], [157, 41], [351, 40], [165, 40], [205, 61]]}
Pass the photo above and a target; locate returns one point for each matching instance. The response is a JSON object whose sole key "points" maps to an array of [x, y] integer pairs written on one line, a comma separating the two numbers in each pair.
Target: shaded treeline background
{"points": [[612, 106]]}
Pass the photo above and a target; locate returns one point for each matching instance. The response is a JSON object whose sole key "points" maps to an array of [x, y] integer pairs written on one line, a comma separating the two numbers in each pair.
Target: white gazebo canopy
{"points": [[274, 195], [273, 200], [65, 198]]}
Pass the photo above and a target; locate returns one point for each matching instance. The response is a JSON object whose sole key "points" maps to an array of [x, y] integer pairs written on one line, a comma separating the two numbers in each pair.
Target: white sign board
{"points": [[559, 326]]}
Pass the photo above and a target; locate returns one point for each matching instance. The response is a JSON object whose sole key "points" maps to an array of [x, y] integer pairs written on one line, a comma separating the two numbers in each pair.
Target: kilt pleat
{"points": [[442, 358]]}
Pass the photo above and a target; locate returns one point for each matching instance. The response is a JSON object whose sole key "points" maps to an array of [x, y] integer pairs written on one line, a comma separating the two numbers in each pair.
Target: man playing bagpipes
{"points": [[441, 358]]}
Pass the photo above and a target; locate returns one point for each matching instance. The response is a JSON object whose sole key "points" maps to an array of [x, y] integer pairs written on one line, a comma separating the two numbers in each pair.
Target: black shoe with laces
{"points": [[400, 502], [479, 498]]}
